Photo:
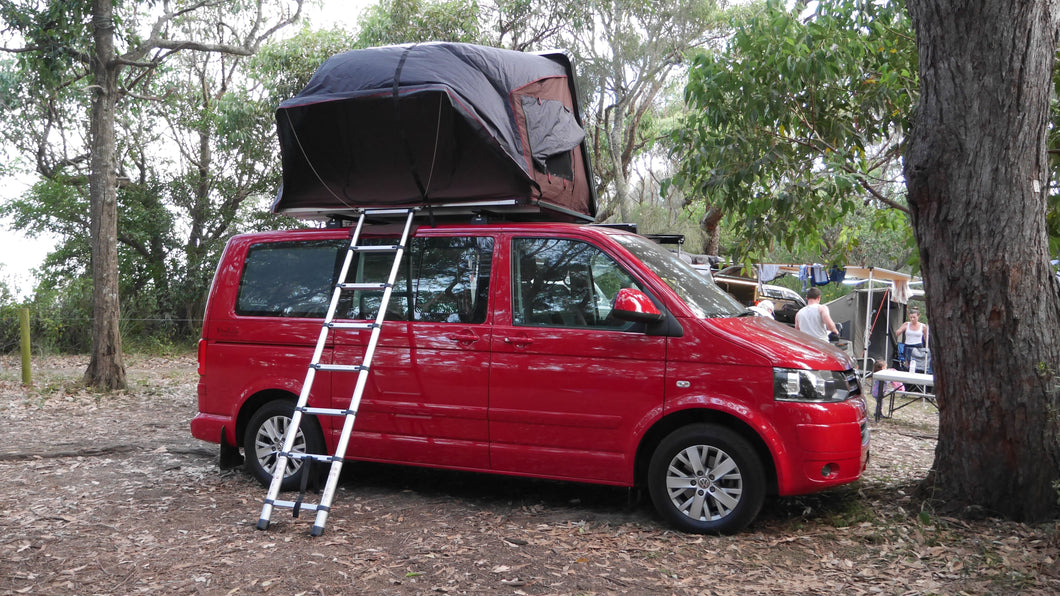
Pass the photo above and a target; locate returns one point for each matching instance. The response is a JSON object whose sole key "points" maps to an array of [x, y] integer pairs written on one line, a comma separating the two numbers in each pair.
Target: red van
{"points": [[548, 350]]}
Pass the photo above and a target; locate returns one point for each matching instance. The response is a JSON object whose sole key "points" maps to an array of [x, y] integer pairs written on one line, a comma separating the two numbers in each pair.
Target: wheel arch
{"points": [[254, 403], [668, 424]]}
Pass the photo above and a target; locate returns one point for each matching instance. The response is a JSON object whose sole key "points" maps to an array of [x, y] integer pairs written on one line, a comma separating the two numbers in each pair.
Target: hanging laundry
{"points": [[767, 273], [902, 292], [837, 274], [820, 276]]}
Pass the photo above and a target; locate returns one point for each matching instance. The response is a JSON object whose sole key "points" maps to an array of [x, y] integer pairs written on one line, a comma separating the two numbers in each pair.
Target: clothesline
{"points": [[818, 274]]}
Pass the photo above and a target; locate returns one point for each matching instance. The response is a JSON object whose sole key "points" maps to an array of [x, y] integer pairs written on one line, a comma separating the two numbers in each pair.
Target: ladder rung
{"points": [[301, 455], [377, 248], [340, 367], [364, 286], [291, 505], [395, 211], [366, 326], [327, 411]]}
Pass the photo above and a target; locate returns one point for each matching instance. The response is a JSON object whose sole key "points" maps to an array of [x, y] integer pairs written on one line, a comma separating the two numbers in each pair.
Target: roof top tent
{"points": [[455, 127]]}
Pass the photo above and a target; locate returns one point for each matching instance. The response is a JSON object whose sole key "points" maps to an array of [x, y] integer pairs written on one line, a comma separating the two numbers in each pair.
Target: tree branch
{"points": [[248, 46], [175, 45], [24, 50], [880, 197]]}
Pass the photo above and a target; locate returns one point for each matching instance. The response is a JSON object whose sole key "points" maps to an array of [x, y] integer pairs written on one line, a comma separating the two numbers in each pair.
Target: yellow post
{"points": [[27, 374]]}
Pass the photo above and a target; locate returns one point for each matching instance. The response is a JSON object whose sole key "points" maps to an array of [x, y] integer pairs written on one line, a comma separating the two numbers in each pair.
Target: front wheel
{"points": [[705, 478], [264, 438]]}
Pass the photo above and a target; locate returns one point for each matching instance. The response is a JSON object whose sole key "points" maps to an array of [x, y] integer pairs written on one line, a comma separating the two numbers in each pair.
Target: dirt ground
{"points": [[112, 495]]}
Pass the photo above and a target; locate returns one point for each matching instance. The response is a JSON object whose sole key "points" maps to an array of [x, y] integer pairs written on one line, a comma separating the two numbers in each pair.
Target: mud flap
{"points": [[229, 457]]}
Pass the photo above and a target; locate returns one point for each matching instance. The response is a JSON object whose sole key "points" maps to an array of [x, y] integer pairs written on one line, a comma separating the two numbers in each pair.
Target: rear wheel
{"points": [[264, 437], [705, 478]]}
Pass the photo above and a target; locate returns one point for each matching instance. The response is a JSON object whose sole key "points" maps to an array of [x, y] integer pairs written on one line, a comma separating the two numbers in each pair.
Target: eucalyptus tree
{"points": [[811, 117], [529, 25], [407, 21], [87, 57], [978, 175], [799, 122], [625, 52]]}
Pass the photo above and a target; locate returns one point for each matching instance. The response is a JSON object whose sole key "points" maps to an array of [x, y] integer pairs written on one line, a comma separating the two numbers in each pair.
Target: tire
{"points": [[264, 438], [688, 496]]}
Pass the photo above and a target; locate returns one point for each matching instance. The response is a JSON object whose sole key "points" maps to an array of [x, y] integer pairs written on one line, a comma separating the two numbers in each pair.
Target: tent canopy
{"points": [[438, 124], [871, 336]]}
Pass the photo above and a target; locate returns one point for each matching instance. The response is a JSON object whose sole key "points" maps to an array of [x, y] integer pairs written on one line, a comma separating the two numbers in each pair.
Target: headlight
{"points": [[790, 384]]}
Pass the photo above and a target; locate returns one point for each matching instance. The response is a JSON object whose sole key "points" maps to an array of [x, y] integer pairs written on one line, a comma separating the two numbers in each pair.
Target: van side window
{"points": [[289, 279], [565, 283], [449, 281], [452, 278]]}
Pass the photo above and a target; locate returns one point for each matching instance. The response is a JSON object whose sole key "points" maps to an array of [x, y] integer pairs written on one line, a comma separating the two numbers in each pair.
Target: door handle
{"points": [[521, 342], [463, 336]]}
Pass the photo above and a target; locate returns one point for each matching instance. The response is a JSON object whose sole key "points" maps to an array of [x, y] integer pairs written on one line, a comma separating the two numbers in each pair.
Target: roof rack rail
{"points": [[628, 227], [474, 211], [678, 239]]}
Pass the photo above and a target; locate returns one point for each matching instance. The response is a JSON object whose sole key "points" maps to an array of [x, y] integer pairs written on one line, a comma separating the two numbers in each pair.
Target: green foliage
{"points": [[60, 321], [653, 218], [531, 24], [282, 68], [624, 54], [799, 123], [195, 150], [57, 30], [407, 21]]}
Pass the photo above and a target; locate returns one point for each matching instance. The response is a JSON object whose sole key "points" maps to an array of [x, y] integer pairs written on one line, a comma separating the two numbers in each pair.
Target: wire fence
{"points": [[58, 334]]}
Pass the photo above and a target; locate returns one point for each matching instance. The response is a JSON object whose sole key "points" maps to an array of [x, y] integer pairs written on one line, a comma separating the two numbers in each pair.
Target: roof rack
{"points": [[513, 210], [677, 239], [626, 227]]}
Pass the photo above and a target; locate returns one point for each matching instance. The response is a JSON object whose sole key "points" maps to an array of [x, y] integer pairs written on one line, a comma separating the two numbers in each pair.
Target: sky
{"points": [[19, 255]]}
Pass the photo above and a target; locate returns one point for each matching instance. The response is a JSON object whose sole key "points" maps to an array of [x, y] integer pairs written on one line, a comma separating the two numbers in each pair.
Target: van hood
{"points": [[782, 345]]}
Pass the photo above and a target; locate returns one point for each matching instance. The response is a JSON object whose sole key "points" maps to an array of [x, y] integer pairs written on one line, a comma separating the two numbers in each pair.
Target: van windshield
{"points": [[697, 290]]}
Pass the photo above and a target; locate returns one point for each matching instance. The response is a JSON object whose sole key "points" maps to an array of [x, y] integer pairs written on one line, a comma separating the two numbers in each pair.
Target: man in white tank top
{"points": [[814, 318]]}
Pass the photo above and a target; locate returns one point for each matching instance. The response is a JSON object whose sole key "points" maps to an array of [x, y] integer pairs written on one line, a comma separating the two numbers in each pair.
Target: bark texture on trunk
{"points": [[977, 174], [711, 225], [106, 369]]}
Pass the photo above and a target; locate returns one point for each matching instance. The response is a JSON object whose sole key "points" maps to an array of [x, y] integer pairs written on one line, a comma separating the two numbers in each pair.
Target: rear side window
{"points": [[442, 280], [289, 279], [448, 283]]}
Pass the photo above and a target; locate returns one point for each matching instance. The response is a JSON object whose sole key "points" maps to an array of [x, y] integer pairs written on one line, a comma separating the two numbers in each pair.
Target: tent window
{"points": [[553, 134]]}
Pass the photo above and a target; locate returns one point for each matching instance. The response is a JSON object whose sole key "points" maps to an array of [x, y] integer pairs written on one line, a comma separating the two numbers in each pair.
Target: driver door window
{"points": [[565, 283]]}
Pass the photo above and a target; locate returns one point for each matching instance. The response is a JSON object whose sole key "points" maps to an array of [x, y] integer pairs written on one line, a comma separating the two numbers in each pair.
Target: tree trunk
{"points": [[976, 171], [711, 226], [106, 369]]}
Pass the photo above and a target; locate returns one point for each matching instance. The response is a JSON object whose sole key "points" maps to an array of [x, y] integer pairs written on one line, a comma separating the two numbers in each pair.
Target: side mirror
{"points": [[633, 305]]}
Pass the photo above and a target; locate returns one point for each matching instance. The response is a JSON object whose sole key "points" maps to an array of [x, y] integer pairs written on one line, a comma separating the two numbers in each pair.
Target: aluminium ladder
{"points": [[361, 369]]}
